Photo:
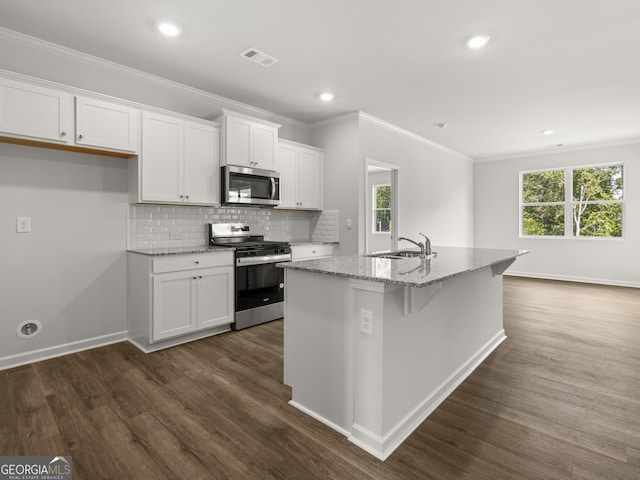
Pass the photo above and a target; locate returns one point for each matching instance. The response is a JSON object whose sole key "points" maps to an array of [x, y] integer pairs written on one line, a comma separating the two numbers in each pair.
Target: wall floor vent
{"points": [[259, 57]]}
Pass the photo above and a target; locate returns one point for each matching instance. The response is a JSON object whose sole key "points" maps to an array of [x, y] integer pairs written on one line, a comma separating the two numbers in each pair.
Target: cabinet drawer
{"points": [[192, 261], [304, 252]]}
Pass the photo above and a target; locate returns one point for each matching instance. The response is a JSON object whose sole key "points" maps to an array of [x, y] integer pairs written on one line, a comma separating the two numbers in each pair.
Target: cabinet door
{"points": [[36, 112], [286, 165], [215, 297], [174, 304], [161, 158], [309, 179], [263, 147], [238, 141], [107, 125], [201, 164]]}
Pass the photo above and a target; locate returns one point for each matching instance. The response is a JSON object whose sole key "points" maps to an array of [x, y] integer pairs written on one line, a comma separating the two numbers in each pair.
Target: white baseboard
{"points": [[568, 278], [382, 447], [149, 348], [60, 350], [320, 418]]}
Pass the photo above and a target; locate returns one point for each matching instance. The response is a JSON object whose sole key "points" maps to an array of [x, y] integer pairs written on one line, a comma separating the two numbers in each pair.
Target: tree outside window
{"points": [[381, 208], [573, 202]]}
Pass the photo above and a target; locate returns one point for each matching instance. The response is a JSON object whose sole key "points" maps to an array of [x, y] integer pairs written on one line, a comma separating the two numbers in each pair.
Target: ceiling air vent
{"points": [[259, 57]]}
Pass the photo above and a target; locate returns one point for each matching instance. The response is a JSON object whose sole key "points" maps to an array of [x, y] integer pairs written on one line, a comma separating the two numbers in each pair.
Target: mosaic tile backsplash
{"points": [[153, 226]]}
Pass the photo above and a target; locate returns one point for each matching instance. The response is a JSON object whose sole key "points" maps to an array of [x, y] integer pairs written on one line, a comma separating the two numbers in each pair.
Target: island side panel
{"points": [[412, 362], [318, 347]]}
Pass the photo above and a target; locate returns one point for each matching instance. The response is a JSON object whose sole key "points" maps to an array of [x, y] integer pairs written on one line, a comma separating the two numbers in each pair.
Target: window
{"points": [[381, 208], [572, 202]]}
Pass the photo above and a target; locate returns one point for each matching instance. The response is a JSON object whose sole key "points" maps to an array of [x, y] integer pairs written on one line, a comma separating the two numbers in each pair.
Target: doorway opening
{"points": [[381, 206]]}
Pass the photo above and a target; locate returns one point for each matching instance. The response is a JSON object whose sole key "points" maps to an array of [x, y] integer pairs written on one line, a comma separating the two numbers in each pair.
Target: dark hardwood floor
{"points": [[559, 399]]}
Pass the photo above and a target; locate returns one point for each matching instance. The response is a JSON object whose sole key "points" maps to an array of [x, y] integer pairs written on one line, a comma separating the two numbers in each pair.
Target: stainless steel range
{"points": [[259, 284]]}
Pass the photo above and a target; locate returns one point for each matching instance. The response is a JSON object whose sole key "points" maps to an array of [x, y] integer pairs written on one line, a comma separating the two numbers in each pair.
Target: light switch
{"points": [[23, 224]]}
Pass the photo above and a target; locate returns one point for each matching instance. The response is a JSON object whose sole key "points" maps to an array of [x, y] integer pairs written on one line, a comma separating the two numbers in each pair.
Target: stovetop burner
{"points": [[239, 236]]}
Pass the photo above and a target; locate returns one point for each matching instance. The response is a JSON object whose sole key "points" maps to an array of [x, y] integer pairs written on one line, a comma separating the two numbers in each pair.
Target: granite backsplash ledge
{"points": [[159, 226]]}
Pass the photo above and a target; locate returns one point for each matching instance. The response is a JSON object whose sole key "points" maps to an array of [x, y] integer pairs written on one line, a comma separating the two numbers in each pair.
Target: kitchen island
{"points": [[373, 345]]}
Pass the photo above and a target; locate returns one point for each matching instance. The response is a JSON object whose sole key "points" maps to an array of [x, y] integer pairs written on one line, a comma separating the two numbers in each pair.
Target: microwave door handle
{"points": [[272, 195]]}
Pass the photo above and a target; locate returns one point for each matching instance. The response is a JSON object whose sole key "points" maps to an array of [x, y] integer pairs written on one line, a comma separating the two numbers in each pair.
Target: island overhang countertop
{"points": [[415, 272]]}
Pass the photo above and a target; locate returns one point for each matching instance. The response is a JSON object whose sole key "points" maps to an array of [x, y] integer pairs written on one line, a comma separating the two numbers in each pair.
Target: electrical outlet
{"points": [[366, 322], [23, 224]]}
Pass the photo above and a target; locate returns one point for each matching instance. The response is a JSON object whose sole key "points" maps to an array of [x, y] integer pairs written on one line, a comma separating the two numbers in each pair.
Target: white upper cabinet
{"points": [[247, 141], [201, 163], [101, 124], [301, 171], [178, 163], [45, 115], [35, 112], [287, 165], [161, 159], [236, 140], [310, 185]]}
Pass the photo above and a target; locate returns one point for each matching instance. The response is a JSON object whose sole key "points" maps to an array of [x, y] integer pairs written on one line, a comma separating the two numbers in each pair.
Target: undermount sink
{"points": [[400, 254]]}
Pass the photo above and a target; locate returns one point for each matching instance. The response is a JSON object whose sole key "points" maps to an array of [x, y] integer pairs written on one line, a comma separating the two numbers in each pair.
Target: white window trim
{"points": [[568, 203]]}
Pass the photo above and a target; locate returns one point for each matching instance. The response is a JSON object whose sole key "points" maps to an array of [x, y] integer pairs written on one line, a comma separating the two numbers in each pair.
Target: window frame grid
{"points": [[569, 203]]}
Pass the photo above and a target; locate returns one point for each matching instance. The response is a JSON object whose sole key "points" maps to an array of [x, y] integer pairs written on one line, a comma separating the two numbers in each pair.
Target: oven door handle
{"points": [[262, 260]]}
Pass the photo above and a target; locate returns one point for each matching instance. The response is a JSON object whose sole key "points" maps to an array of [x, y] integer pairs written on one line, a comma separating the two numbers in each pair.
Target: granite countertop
{"points": [[178, 250], [415, 272]]}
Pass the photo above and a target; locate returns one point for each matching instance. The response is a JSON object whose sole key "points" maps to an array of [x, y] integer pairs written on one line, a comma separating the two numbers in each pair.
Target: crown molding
{"points": [[413, 136], [97, 62], [558, 151], [344, 117]]}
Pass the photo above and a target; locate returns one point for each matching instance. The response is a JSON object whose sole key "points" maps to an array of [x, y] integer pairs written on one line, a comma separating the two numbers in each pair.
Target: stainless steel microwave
{"points": [[250, 186]]}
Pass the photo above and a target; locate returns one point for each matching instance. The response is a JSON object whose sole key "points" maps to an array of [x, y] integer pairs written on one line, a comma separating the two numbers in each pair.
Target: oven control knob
{"points": [[281, 285]]}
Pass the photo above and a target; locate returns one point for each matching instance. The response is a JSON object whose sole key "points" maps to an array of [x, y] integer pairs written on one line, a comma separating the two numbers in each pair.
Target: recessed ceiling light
{"points": [[326, 96], [169, 29], [478, 41], [548, 132]]}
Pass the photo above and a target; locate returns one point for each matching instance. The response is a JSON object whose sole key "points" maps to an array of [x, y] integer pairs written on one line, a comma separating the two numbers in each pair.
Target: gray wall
{"points": [[435, 185], [342, 172], [69, 272], [496, 211]]}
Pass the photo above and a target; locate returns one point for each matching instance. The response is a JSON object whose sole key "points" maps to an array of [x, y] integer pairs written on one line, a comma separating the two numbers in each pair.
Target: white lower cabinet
{"points": [[178, 295], [191, 300]]}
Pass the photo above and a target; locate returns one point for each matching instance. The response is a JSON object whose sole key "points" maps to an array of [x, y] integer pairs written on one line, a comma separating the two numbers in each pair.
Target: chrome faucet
{"points": [[427, 244], [425, 248]]}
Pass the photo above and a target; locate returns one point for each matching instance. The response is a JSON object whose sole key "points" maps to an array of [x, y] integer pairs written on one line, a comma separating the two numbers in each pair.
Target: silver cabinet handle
{"points": [[187, 197], [200, 276], [63, 134], [181, 196], [197, 262], [195, 278], [80, 137]]}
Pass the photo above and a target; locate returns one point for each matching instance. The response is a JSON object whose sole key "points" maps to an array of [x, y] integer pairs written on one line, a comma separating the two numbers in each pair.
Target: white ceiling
{"points": [[568, 65]]}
